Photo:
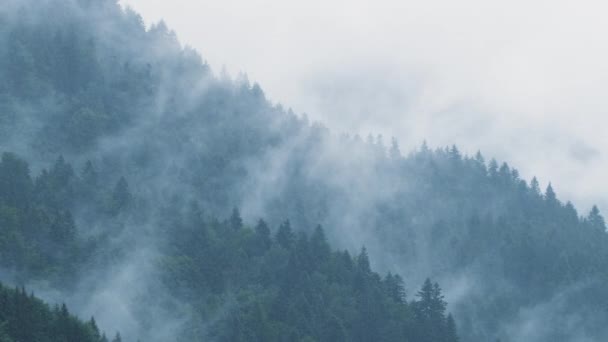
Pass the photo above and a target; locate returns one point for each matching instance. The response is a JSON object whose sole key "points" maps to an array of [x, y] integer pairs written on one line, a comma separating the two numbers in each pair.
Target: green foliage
{"points": [[315, 295], [147, 123], [26, 318]]}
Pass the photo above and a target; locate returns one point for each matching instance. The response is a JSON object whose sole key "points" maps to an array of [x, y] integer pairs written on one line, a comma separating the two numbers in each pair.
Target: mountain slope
{"points": [[154, 130], [216, 280], [26, 318]]}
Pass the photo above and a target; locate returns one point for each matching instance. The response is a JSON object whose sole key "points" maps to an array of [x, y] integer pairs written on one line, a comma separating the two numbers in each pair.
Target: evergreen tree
{"points": [[363, 261], [451, 335], [596, 220], [394, 152], [535, 187], [319, 247], [262, 237], [395, 287], [429, 310], [285, 236], [236, 222], [550, 196]]}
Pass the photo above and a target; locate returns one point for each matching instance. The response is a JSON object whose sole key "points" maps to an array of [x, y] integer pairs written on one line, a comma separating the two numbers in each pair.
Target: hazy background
{"points": [[523, 81]]}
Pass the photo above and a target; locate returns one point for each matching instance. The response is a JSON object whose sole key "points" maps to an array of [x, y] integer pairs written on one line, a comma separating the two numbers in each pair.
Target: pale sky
{"points": [[524, 81]]}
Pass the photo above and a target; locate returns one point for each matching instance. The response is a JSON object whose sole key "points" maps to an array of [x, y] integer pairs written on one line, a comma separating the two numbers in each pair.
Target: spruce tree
{"points": [[450, 330]]}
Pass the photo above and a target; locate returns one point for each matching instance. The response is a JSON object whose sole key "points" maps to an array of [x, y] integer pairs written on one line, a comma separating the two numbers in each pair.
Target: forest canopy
{"points": [[124, 157]]}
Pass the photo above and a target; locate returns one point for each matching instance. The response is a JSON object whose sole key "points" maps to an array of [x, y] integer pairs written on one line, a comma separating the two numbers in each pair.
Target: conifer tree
{"points": [[319, 247], [262, 237], [596, 220], [550, 196], [363, 261], [450, 330], [394, 152], [285, 236], [236, 222]]}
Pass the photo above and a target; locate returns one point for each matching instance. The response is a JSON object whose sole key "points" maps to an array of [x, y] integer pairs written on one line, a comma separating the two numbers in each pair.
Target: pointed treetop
{"points": [[534, 186], [493, 168], [319, 244], [262, 228], [505, 170], [394, 152], [454, 153], [596, 220], [236, 222], [285, 236], [550, 196], [363, 261], [451, 332], [424, 148], [479, 158]]}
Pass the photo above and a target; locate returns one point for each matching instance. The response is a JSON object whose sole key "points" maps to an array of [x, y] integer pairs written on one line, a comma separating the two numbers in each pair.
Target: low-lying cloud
{"points": [[522, 81]]}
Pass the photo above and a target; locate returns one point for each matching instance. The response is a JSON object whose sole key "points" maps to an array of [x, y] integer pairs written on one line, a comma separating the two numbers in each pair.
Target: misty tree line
{"points": [[149, 127], [285, 286], [289, 286], [39, 235], [24, 317]]}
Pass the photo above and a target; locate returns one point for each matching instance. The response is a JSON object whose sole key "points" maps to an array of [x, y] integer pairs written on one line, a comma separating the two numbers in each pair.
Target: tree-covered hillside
{"points": [[25, 318], [228, 282], [148, 130]]}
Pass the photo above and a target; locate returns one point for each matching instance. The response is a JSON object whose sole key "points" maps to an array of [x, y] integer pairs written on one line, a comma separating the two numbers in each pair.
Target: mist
{"points": [[522, 81], [180, 146]]}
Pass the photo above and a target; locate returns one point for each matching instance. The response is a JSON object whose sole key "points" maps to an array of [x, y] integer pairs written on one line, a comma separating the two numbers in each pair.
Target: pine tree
{"points": [[262, 237], [454, 154], [363, 261], [596, 220], [429, 310], [236, 222], [394, 152], [94, 329], [425, 299], [285, 236], [550, 196], [480, 159], [493, 168], [438, 302], [450, 330], [535, 187], [319, 247], [395, 287]]}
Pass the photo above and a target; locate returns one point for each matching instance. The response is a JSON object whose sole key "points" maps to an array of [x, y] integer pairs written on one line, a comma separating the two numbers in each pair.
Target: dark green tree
{"points": [[285, 236]]}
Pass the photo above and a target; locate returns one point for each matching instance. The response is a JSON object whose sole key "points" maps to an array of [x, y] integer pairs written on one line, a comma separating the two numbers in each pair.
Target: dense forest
{"points": [[255, 286], [24, 317], [123, 152]]}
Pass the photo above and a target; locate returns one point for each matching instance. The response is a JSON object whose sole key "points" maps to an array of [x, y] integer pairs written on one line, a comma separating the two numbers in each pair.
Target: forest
{"points": [[173, 203], [26, 318], [255, 286]]}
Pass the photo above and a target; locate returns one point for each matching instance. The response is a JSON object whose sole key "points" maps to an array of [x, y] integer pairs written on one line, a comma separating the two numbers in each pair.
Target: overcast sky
{"points": [[524, 81]]}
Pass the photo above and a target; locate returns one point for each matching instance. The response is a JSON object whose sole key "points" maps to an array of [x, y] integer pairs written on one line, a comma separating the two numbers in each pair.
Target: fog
{"points": [[479, 75], [522, 80]]}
